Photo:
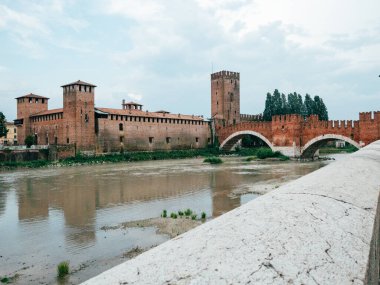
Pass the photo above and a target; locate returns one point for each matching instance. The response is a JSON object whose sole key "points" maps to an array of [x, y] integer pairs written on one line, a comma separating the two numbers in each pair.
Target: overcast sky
{"points": [[161, 52]]}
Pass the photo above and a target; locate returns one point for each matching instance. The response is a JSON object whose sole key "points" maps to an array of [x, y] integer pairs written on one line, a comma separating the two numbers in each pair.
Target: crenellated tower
{"points": [[79, 117], [28, 105], [225, 98]]}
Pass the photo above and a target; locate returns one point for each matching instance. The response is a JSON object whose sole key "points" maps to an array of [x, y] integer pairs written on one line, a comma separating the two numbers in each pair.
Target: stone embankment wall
{"points": [[320, 229], [52, 153]]}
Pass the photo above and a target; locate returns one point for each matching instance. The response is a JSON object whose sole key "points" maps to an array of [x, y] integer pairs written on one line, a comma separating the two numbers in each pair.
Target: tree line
{"points": [[280, 104], [3, 125]]}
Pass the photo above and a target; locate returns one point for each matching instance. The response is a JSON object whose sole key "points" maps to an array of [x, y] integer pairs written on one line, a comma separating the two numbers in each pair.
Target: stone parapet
{"points": [[320, 229]]}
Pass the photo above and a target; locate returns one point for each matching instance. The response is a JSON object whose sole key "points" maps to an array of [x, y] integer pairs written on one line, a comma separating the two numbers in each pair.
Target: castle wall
{"points": [[145, 133], [48, 129]]}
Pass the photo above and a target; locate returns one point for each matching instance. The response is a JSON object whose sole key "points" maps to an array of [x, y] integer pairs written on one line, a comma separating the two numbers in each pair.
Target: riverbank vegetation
{"points": [[213, 160], [80, 159], [330, 149]]}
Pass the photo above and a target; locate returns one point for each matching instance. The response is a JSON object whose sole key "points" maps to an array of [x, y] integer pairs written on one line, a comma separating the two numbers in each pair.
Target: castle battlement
{"points": [[225, 75]]}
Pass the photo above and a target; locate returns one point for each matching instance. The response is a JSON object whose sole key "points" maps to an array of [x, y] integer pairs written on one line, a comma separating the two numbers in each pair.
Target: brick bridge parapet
{"points": [[291, 133]]}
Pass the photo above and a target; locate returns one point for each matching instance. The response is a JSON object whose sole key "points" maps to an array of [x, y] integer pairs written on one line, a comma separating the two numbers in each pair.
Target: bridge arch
{"points": [[309, 149], [230, 141]]}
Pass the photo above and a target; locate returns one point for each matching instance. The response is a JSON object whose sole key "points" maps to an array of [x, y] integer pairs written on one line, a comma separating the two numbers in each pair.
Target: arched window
{"points": [[120, 127]]}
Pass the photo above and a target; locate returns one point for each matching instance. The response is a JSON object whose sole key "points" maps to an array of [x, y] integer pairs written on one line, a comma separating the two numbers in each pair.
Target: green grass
{"points": [[213, 160], [63, 269]]}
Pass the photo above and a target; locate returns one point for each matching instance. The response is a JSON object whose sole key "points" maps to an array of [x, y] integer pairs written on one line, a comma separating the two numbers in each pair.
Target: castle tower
{"points": [[225, 98], [78, 114], [28, 105]]}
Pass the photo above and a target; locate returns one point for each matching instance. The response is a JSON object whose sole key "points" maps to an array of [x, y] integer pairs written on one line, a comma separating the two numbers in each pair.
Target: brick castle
{"points": [[99, 130]]}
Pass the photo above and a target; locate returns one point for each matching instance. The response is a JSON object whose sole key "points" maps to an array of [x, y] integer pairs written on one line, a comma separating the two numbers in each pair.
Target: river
{"points": [[56, 214]]}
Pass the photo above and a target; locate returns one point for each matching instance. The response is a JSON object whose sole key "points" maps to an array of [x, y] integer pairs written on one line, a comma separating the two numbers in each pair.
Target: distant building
{"points": [[11, 137]]}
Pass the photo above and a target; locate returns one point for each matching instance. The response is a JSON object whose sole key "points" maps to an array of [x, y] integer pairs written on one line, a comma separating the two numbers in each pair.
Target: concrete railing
{"points": [[320, 229]]}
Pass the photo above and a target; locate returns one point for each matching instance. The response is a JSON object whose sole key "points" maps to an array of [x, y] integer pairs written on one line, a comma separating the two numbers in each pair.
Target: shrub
{"points": [[173, 215], [164, 214], [63, 269], [29, 141], [203, 215], [213, 160], [249, 158], [188, 212], [180, 213], [194, 216]]}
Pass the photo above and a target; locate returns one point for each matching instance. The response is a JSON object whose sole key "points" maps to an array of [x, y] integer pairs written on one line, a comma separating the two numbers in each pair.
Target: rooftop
{"points": [[79, 82], [31, 95]]}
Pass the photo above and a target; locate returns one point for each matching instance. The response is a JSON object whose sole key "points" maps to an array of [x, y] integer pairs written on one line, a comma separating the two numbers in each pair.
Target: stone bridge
{"points": [[298, 137]]}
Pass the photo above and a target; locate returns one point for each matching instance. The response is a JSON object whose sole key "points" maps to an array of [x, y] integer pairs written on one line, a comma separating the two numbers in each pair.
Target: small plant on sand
{"points": [[213, 160], [250, 158], [194, 216], [188, 212], [180, 213], [63, 269], [203, 215], [173, 215], [164, 214]]}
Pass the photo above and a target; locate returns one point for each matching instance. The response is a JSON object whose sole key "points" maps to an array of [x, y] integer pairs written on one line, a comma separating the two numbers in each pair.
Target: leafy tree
{"points": [[3, 125], [29, 141], [284, 105], [268, 111], [309, 105], [279, 104]]}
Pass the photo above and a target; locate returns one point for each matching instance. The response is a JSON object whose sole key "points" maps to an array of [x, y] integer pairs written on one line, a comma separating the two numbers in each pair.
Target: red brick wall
{"points": [[136, 135]]}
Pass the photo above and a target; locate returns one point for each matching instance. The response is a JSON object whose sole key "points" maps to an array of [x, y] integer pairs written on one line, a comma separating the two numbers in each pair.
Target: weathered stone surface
{"points": [[320, 229]]}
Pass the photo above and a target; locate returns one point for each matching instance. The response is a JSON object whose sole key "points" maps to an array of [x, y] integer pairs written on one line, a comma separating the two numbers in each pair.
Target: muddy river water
{"points": [[56, 214]]}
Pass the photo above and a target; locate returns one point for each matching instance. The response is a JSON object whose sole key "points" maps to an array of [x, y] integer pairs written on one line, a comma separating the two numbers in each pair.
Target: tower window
{"points": [[151, 139], [167, 139], [120, 127], [196, 140], [86, 118]]}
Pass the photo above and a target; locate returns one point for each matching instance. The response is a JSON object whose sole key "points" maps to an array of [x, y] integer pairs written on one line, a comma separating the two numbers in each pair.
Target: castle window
{"points": [[168, 139], [120, 127], [117, 117], [89, 89], [67, 141], [30, 100], [111, 117], [150, 139], [86, 118], [208, 140], [121, 139], [144, 119], [47, 140], [148, 120], [80, 87], [55, 140], [196, 140]]}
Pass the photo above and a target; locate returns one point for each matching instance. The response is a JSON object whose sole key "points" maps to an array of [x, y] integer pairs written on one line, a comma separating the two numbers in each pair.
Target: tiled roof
{"points": [[149, 114], [79, 82], [31, 95], [132, 103], [48, 112]]}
